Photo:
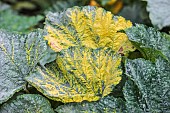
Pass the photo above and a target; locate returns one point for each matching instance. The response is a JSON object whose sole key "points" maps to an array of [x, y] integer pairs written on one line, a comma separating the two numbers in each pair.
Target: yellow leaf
{"points": [[89, 27], [88, 42], [86, 74]]}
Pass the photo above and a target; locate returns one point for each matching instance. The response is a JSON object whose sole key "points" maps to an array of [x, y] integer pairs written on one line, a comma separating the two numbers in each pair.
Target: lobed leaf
{"points": [[150, 90], [27, 103], [19, 54], [150, 42], [83, 74], [89, 27]]}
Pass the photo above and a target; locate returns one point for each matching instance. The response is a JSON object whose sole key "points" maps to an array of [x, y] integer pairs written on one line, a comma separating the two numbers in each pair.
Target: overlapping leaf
{"points": [[88, 26], [27, 103], [19, 54], [107, 104], [150, 42], [150, 91], [86, 74], [159, 12]]}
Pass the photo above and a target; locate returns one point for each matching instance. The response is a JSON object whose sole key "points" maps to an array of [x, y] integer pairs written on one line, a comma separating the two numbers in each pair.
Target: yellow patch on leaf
{"points": [[89, 27], [88, 42], [86, 74]]}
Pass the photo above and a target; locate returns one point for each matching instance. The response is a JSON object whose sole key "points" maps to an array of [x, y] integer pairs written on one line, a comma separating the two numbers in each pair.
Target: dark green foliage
{"points": [[11, 21], [150, 90], [19, 54], [28, 65], [150, 42], [107, 104], [27, 103]]}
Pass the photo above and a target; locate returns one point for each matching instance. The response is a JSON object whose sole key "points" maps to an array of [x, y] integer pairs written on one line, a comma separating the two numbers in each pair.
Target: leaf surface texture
{"points": [[150, 42], [149, 89], [86, 74], [107, 104], [89, 27], [27, 103], [19, 54]]}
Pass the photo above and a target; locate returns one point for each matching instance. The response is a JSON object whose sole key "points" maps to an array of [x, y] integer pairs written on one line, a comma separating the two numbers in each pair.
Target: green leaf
{"points": [[11, 21], [19, 54], [80, 74], [150, 42], [159, 12], [134, 102], [107, 104], [89, 27], [27, 103], [150, 91]]}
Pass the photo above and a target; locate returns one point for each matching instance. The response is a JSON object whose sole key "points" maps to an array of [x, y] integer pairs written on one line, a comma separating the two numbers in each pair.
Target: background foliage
{"points": [[50, 56]]}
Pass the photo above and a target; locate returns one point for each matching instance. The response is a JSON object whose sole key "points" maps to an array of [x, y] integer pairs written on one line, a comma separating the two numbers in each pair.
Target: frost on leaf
{"points": [[88, 26], [79, 74]]}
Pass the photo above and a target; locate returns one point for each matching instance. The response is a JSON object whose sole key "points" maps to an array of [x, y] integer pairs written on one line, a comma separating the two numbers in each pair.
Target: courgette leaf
{"points": [[89, 27], [27, 103], [159, 12], [107, 104], [79, 74], [19, 54], [149, 90], [150, 42]]}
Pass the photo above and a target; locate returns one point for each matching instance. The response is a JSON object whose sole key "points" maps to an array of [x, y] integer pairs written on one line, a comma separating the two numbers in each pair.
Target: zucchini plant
{"points": [[80, 63]]}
